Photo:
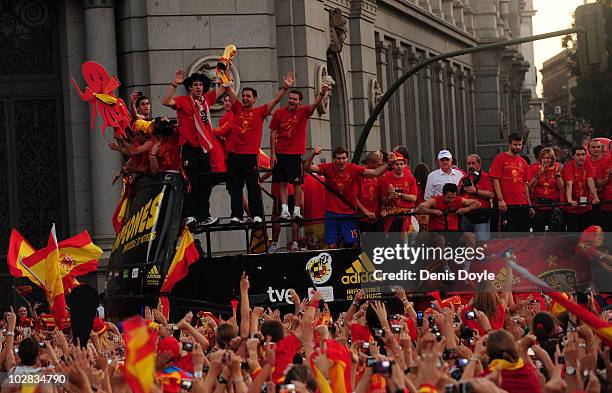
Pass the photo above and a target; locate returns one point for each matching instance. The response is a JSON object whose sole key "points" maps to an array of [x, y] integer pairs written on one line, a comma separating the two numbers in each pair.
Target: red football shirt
{"points": [[605, 193], [186, 122], [580, 189], [314, 205], [291, 129], [369, 193], [546, 187], [436, 223], [405, 185], [345, 182], [247, 127], [513, 173], [483, 184], [597, 164], [169, 154], [217, 154]]}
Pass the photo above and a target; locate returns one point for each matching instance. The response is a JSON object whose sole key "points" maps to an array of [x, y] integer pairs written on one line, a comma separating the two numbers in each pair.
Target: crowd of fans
{"points": [[383, 195], [492, 342]]}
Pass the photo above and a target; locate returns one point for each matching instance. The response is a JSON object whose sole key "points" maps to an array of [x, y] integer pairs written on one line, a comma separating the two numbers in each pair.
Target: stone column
{"points": [[436, 8], [413, 106], [468, 15], [100, 46], [458, 14], [362, 53], [447, 8], [425, 5]]}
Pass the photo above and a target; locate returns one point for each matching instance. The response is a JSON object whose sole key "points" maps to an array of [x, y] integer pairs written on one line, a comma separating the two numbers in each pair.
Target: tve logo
{"points": [[279, 296]]}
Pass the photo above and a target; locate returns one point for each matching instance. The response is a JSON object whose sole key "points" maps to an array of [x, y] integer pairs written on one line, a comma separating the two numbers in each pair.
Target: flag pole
{"points": [[42, 284]]}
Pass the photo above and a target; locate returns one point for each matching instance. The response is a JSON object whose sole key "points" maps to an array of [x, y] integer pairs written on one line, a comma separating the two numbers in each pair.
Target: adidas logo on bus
{"points": [[361, 270]]}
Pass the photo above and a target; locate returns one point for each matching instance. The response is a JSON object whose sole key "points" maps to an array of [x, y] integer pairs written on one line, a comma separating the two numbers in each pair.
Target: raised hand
{"points": [[179, 77], [289, 80], [244, 282]]}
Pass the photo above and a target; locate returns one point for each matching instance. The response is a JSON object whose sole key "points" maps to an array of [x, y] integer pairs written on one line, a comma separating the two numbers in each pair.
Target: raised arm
{"points": [[376, 172], [308, 164], [245, 307], [287, 84], [319, 98], [168, 99]]}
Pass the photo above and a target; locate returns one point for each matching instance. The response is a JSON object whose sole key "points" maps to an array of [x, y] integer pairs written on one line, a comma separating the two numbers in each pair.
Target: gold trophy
{"points": [[224, 63]]}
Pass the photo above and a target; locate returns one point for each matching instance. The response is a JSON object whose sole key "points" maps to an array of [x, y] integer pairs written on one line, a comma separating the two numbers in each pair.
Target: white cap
{"points": [[445, 154]]}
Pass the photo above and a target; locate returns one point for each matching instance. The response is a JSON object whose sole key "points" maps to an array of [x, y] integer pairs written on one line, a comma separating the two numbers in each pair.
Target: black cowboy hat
{"points": [[197, 77]]}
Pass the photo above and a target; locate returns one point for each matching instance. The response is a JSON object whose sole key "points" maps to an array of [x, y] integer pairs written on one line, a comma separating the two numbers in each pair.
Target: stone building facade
{"points": [[466, 104], [557, 83]]}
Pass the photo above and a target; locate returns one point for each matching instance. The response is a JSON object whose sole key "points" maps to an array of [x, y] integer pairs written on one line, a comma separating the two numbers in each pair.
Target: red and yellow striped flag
{"points": [[19, 248], [600, 327], [139, 367], [185, 255], [78, 256], [45, 267], [340, 371]]}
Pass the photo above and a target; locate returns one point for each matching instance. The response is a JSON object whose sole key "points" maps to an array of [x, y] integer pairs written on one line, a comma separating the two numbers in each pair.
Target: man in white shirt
{"points": [[445, 174]]}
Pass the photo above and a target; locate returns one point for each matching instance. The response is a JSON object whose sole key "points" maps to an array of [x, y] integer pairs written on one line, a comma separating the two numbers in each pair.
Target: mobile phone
{"points": [[286, 388], [188, 347], [244, 365], [461, 362], [470, 315], [394, 317], [561, 359], [42, 345], [379, 333], [419, 318], [396, 328], [121, 351], [186, 384], [508, 253], [15, 350], [530, 352], [370, 362], [382, 367]]}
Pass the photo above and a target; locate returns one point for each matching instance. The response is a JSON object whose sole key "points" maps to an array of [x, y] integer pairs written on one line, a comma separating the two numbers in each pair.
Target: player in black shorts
{"points": [[287, 144]]}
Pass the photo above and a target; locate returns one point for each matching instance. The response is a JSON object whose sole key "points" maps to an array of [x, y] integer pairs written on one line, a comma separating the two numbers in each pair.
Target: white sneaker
{"points": [[190, 222], [297, 214], [209, 221], [257, 220], [236, 220], [285, 215], [273, 248]]}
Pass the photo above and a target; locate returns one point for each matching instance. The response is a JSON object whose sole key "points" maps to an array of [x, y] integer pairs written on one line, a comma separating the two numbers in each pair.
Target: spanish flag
{"points": [[19, 248], [600, 327], [139, 367], [119, 213], [78, 256], [340, 371], [44, 266], [185, 255]]}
